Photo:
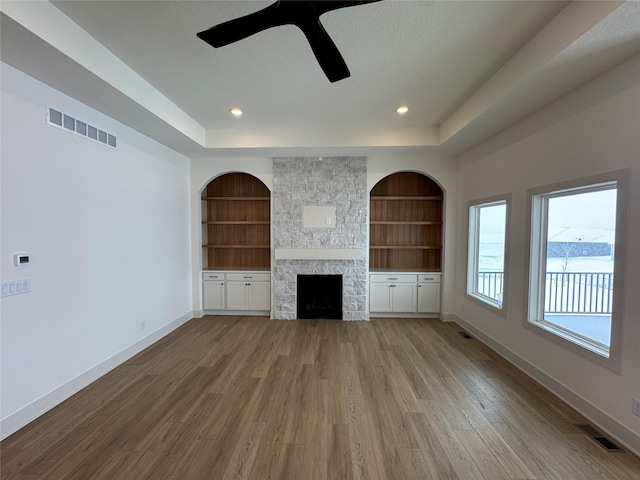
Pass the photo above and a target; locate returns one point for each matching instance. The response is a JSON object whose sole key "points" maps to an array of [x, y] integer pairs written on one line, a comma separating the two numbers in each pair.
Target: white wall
{"points": [[108, 232], [591, 131]]}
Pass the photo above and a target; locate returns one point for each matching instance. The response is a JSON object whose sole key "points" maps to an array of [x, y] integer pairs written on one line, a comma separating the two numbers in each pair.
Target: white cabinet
{"points": [[392, 293], [213, 298], [248, 291], [237, 291], [237, 296], [409, 293], [259, 296], [213, 291], [429, 293], [403, 297], [380, 297]]}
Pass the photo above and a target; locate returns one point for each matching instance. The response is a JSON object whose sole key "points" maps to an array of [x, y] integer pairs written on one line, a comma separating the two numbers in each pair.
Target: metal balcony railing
{"points": [[579, 292], [565, 292], [490, 284]]}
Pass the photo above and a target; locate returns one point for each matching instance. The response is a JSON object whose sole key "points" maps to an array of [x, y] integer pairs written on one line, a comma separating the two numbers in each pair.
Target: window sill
{"points": [[572, 337]]}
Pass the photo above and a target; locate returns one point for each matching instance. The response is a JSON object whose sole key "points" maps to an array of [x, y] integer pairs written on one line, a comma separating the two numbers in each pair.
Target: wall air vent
{"points": [[71, 124]]}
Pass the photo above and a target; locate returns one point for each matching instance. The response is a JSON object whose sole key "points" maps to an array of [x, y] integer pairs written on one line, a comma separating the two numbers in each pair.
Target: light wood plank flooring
{"points": [[252, 398]]}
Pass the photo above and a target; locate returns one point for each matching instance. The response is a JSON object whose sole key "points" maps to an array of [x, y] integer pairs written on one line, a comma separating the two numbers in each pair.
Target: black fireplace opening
{"points": [[320, 297]]}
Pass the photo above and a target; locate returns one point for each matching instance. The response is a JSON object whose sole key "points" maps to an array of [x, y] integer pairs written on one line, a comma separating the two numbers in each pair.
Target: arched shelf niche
{"points": [[236, 220], [405, 224]]}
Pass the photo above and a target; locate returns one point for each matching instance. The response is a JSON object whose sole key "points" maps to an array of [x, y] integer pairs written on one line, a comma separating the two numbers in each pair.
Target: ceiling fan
{"points": [[303, 14]]}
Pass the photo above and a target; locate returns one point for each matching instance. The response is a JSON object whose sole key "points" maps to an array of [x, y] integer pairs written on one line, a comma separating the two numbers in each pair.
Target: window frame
{"points": [[473, 226], [537, 215]]}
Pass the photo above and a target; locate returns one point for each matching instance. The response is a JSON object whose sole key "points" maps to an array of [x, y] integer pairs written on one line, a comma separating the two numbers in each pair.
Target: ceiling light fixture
{"points": [[236, 112], [402, 110]]}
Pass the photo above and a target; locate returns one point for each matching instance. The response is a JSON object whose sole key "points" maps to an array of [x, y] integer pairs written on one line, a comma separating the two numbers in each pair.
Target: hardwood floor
{"points": [[252, 398]]}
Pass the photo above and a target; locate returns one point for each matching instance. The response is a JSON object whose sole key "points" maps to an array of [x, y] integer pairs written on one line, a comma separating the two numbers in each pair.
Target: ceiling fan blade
{"points": [[303, 14], [326, 52], [324, 6], [243, 27]]}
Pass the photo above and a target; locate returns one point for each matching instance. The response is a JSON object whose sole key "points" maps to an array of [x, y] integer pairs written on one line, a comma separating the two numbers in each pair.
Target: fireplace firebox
{"points": [[319, 297]]}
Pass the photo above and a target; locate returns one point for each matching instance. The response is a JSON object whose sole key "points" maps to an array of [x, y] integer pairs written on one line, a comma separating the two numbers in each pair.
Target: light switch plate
{"points": [[16, 287]]}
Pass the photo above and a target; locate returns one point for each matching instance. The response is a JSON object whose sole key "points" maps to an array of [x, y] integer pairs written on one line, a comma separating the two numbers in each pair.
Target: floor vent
{"points": [[465, 335], [599, 438], [61, 120]]}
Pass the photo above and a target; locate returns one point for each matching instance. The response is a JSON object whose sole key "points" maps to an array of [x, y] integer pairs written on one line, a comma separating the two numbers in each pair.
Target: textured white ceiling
{"points": [[430, 55], [435, 56]]}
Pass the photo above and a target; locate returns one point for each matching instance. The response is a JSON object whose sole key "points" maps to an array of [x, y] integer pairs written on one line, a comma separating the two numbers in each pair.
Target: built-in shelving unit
{"points": [[236, 223], [405, 224]]}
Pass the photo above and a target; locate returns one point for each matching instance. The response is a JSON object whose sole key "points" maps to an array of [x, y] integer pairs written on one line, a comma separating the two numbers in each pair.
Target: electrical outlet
{"points": [[636, 406]]}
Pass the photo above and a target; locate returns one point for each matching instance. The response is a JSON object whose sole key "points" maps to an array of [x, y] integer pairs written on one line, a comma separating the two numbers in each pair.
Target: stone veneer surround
{"points": [[328, 181]]}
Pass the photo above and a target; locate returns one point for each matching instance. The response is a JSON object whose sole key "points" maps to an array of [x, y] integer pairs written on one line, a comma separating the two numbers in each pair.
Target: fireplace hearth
{"points": [[319, 297]]}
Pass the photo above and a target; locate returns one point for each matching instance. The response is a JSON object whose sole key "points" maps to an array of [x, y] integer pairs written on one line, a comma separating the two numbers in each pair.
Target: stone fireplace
{"points": [[335, 243]]}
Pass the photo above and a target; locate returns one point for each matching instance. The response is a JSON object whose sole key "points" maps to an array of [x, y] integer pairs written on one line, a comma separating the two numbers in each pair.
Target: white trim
{"points": [[448, 317], [22, 417], [243, 313], [537, 214], [622, 434], [403, 315], [473, 251]]}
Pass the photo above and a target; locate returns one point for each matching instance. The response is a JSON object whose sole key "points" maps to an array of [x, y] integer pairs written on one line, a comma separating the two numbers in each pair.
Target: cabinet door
{"points": [[259, 295], [213, 295], [429, 297], [403, 297], [380, 297], [237, 296]]}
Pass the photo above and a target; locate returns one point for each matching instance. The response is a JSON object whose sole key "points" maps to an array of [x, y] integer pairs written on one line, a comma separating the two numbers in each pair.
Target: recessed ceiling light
{"points": [[402, 110], [236, 112]]}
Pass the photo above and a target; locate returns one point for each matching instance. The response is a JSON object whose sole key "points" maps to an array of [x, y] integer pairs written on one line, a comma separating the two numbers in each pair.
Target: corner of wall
{"points": [[620, 432], [22, 417]]}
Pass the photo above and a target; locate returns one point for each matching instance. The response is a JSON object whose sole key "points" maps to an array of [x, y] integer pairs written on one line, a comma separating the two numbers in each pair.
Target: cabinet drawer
{"points": [[212, 276], [391, 277], [429, 278], [249, 276]]}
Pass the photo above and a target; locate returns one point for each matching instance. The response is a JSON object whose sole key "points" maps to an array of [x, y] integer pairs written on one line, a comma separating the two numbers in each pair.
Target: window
{"points": [[487, 251], [574, 268]]}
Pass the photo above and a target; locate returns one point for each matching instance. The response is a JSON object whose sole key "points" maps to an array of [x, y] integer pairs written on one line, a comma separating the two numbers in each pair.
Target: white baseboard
{"points": [[403, 315], [448, 317], [627, 438], [243, 313], [22, 417]]}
